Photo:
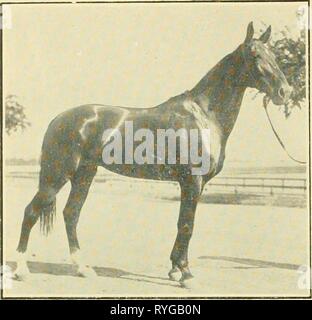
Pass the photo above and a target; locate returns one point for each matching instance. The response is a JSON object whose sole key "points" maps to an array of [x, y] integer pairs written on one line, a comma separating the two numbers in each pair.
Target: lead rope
{"points": [[265, 104]]}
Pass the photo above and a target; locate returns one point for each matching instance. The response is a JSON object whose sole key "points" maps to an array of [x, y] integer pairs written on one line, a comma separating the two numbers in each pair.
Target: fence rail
{"points": [[265, 184], [273, 185]]}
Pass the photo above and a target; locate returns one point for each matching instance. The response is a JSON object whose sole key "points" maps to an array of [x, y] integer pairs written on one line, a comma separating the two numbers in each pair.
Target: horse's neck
{"points": [[221, 91]]}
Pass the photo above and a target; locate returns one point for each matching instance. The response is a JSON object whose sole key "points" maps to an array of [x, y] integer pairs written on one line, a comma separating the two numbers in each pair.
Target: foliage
{"points": [[15, 117], [290, 55]]}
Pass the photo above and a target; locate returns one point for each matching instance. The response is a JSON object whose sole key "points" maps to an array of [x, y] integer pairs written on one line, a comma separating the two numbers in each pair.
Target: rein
{"points": [[266, 101], [265, 105]]}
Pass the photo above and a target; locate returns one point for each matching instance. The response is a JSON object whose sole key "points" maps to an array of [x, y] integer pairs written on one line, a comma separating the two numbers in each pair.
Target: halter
{"points": [[266, 101]]}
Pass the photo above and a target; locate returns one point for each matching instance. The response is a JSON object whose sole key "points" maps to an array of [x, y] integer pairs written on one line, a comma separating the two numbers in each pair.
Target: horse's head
{"points": [[263, 72]]}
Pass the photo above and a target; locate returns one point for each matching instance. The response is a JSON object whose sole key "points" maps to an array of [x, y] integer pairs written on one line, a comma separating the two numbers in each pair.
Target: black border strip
{"points": [[193, 298]]}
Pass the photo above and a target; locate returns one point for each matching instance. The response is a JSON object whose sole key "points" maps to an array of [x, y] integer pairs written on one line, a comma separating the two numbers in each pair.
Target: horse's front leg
{"points": [[191, 189]]}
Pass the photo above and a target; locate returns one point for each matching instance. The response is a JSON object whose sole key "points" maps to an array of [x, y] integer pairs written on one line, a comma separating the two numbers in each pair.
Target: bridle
{"points": [[266, 100]]}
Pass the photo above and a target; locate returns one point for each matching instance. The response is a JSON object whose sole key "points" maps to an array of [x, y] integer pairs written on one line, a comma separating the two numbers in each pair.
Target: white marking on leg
{"points": [[22, 269], [83, 270], [174, 274], [76, 257]]}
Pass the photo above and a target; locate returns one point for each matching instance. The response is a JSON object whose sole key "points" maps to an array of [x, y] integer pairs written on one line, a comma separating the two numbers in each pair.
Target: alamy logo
{"points": [[169, 146]]}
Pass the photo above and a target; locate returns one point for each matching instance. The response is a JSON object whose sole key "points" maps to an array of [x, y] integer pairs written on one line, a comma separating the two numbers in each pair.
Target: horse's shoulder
{"points": [[189, 107]]}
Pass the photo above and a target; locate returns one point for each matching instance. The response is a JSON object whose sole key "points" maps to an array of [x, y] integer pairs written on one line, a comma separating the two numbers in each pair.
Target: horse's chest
{"points": [[216, 150]]}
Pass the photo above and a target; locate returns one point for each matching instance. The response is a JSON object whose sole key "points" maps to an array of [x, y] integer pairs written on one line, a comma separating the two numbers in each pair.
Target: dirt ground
{"points": [[127, 236]]}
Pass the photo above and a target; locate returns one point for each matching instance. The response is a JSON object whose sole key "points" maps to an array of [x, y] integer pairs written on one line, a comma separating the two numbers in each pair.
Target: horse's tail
{"points": [[49, 184], [47, 214], [47, 192]]}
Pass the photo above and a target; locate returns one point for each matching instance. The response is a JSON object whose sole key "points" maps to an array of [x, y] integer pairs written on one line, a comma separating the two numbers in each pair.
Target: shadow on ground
{"points": [[63, 269], [253, 263]]}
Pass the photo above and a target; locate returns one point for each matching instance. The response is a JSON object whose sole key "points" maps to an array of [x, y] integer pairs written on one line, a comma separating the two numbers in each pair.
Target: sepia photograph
{"points": [[155, 150]]}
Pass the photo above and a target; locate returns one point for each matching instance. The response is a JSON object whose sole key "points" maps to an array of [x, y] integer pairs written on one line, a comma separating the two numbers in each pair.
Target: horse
{"points": [[73, 146]]}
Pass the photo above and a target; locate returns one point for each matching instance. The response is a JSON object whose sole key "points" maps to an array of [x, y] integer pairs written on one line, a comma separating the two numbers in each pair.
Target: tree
{"points": [[290, 55], [15, 117]]}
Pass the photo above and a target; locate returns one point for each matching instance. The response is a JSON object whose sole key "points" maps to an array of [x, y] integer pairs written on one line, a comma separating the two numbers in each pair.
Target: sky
{"points": [[61, 56]]}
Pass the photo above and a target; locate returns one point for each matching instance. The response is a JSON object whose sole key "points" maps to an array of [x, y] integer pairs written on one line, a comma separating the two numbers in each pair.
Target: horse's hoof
{"points": [[187, 282], [21, 273], [174, 275], [86, 272], [19, 277]]}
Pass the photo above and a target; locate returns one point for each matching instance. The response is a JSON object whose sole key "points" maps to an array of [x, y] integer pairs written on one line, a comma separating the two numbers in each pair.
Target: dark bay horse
{"points": [[73, 145]]}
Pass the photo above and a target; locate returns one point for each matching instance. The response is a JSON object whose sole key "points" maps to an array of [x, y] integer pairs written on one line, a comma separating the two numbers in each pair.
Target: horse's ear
{"points": [[266, 35], [250, 32]]}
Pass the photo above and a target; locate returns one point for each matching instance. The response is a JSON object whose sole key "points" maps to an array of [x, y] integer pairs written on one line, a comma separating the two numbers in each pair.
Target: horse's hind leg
{"points": [[81, 182], [43, 204]]}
